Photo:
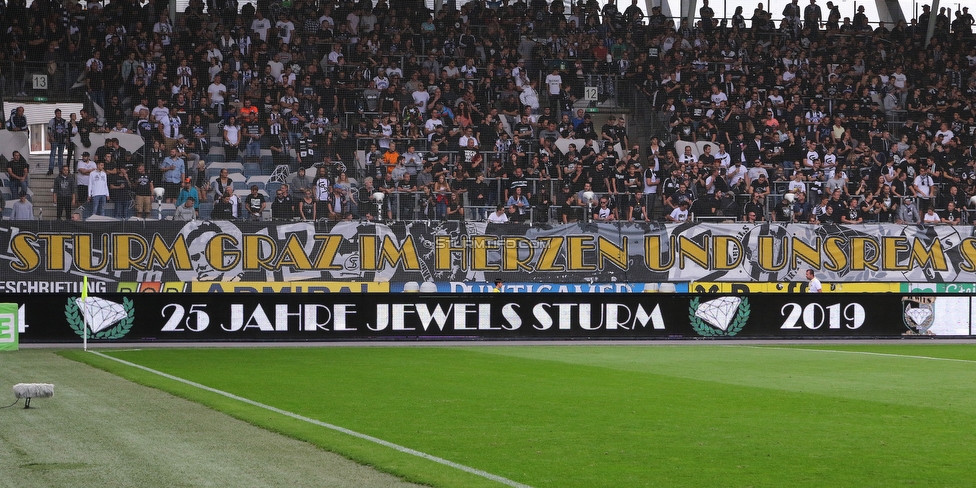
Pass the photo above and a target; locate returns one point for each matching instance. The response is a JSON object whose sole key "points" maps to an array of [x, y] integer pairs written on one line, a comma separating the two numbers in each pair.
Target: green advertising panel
{"points": [[8, 326]]}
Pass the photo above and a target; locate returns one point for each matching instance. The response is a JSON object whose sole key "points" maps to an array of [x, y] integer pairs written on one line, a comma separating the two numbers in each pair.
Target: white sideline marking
{"points": [[885, 354], [407, 450]]}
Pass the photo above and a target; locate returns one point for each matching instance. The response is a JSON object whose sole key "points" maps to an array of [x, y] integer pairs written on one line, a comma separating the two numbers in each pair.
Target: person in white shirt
{"points": [[261, 25], [277, 67], [555, 83], [814, 285], [216, 92], [529, 97], [797, 185], [98, 189], [285, 29], [498, 216], [723, 158], [680, 213], [164, 28], [420, 98], [944, 134]]}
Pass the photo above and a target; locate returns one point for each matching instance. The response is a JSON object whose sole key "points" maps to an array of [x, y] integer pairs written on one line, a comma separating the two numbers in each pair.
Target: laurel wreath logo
{"points": [[77, 322], [706, 330]]}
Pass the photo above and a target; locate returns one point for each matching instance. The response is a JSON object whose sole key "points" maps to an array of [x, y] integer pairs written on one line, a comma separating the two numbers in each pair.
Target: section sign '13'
{"points": [[287, 317]]}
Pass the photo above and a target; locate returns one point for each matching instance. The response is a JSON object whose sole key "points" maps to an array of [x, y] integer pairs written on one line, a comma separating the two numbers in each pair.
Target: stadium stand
{"points": [[780, 118]]}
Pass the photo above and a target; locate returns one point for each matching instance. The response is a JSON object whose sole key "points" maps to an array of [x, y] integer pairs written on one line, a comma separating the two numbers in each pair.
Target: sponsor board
{"points": [[164, 252], [964, 288], [253, 287], [326, 317], [792, 287], [468, 287], [9, 327]]}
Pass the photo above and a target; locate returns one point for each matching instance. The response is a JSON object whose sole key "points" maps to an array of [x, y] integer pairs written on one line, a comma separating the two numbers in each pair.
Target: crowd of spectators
{"points": [[458, 114]]}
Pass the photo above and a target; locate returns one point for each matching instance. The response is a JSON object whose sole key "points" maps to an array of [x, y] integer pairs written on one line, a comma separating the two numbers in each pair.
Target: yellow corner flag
{"points": [[84, 287]]}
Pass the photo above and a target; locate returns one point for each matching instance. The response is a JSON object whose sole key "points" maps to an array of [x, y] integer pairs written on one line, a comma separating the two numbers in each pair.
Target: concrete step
{"points": [[41, 184]]}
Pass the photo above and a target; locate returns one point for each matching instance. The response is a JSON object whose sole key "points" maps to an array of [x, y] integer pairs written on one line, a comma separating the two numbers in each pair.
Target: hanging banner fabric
{"points": [[48, 256]]}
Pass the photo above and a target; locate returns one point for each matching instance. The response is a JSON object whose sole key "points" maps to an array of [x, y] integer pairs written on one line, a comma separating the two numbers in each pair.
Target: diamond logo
{"points": [[721, 317], [719, 312], [918, 315], [101, 313]]}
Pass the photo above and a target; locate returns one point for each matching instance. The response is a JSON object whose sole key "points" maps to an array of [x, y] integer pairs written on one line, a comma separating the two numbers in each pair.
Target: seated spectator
{"points": [[18, 169], [498, 216], [186, 211]]}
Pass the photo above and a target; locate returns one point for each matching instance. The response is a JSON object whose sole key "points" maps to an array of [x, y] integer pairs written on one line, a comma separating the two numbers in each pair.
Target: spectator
{"points": [[186, 212], [18, 169], [299, 184], [174, 172], [98, 191], [256, 203], [498, 216], [17, 122], [222, 209], [142, 189], [679, 214], [65, 193], [22, 208], [188, 191], [282, 207], [57, 133], [120, 191]]}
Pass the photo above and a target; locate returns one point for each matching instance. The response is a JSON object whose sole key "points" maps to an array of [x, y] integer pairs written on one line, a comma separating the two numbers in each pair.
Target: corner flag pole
{"points": [[84, 315]]}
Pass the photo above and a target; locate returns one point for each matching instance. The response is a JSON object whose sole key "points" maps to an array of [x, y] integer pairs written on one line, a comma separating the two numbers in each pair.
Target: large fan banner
{"points": [[49, 256]]}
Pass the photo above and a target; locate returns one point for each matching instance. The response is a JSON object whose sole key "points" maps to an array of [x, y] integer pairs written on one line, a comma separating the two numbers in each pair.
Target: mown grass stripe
{"points": [[866, 353], [376, 440]]}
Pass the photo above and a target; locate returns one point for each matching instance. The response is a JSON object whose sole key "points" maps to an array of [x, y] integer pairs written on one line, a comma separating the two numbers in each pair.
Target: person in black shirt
{"points": [[256, 203], [282, 207], [64, 193], [222, 209], [142, 188]]}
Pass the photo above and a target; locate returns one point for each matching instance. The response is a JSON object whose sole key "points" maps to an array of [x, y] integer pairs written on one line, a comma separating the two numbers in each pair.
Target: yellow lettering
{"points": [[480, 247], [294, 255], [219, 256], [444, 253], [367, 253], [254, 258], [55, 250], [406, 255], [801, 251], [688, 249], [767, 253], [836, 259], [122, 258], [893, 246], [549, 254], [967, 248], [575, 249], [724, 248], [652, 253], [163, 257], [328, 252], [859, 257], [510, 256], [84, 251], [22, 246], [607, 250], [933, 256]]}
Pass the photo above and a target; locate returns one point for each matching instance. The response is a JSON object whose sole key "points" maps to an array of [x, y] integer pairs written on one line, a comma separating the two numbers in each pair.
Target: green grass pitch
{"points": [[620, 415]]}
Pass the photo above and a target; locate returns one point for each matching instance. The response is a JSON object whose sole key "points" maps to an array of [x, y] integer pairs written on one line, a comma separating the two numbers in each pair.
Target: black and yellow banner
{"points": [[47, 256]]}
